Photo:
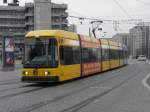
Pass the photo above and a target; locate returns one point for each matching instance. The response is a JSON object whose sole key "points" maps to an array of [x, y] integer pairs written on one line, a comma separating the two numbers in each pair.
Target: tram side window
{"points": [[121, 54], [91, 55], [105, 54], [69, 55], [114, 54], [76, 55], [85, 55], [97, 53]]}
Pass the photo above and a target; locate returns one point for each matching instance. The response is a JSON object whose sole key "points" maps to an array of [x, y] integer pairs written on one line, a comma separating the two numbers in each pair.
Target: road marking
{"points": [[144, 81], [48, 100], [99, 87], [96, 101]]}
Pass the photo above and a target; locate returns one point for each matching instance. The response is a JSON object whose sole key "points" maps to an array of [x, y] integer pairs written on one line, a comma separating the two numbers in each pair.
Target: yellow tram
{"points": [[57, 55]]}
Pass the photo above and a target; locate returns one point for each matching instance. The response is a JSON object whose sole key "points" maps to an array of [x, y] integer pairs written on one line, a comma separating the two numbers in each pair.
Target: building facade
{"points": [[59, 16], [123, 38], [42, 14], [21, 19], [29, 16], [140, 36], [12, 19]]}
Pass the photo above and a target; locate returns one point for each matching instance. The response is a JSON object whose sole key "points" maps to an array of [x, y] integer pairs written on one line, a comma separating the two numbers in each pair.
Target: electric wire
{"points": [[123, 10], [144, 3]]}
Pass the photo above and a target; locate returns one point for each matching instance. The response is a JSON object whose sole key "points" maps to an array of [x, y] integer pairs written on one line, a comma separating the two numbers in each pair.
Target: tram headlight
{"points": [[25, 73], [46, 73]]}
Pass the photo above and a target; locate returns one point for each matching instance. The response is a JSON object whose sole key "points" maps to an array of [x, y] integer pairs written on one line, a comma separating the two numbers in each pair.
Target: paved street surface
{"points": [[121, 90]]}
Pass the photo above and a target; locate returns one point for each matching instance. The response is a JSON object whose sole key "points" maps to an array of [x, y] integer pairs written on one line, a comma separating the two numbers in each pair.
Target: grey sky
{"points": [[105, 9]]}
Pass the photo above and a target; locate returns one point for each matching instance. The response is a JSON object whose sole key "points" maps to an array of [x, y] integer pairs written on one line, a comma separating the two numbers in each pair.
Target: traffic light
{"points": [[16, 1], [4, 1]]}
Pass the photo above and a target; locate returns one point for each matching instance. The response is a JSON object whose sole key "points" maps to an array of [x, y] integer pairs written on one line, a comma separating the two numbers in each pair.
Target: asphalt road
{"points": [[121, 90]]}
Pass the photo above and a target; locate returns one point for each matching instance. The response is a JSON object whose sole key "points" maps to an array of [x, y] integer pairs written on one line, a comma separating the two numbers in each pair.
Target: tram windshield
{"points": [[41, 53]]}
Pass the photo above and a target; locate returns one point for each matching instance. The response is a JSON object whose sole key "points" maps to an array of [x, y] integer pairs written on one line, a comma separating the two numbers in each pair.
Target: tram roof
{"points": [[52, 33], [112, 43], [104, 41], [89, 39]]}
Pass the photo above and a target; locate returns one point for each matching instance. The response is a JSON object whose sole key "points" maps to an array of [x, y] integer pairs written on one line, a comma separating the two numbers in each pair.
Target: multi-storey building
{"points": [[21, 19], [29, 17], [12, 19], [123, 38], [140, 40], [59, 16]]}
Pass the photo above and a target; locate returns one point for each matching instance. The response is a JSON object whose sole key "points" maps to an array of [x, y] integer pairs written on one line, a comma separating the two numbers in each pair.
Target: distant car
{"points": [[141, 58]]}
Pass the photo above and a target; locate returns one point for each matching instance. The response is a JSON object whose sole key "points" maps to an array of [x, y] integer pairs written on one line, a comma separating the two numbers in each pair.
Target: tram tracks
{"points": [[16, 87], [8, 82], [16, 81], [61, 97], [21, 93], [24, 87], [90, 100]]}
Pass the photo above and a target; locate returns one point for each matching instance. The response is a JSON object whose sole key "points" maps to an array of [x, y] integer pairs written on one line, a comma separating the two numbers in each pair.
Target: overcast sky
{"points": [[105, 9]]}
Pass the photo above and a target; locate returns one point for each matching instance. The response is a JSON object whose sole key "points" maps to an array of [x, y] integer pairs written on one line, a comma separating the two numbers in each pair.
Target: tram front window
{"points": [[41, 53]]}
